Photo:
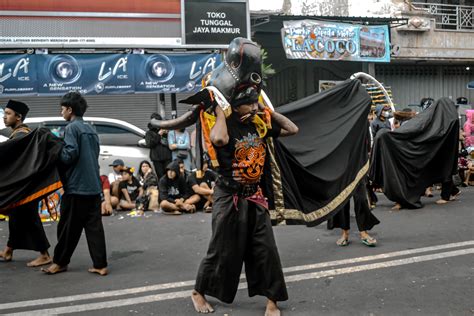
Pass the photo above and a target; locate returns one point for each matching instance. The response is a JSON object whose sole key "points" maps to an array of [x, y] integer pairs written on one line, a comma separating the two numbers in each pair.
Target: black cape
{"points": [[28, 168], [310, 176], [421, 152]]}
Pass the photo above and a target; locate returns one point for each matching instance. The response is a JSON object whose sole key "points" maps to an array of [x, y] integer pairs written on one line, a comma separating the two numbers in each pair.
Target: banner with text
{"points": [[173, 73], [86, 73], [320, 40], [95, 74], [214, 22], [17, 74]]}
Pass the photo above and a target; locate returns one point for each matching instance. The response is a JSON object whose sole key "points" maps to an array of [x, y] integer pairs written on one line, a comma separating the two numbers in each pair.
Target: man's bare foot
{"points": [[272, 309], [54, 269], [102, 272], [397, 207], [7, 254], [43, 259], [201, 305]]}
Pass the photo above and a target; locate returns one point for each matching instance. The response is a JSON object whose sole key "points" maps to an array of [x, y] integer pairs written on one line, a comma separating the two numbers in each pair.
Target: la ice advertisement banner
{"points": [[86, 73], [18, 74], [172, 73], [321, 40], [95, 74]]}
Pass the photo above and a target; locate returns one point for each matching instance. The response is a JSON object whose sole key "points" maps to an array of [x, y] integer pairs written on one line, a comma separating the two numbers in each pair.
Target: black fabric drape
{"points": [[28, 168], [320, 167], [421, 152]]}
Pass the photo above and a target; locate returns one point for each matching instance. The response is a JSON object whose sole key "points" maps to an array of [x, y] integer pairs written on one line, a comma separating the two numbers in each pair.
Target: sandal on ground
{"points": [[441, 202], [54, 269], [208, 209], [454, 196], [342, 242], [369, 241]]}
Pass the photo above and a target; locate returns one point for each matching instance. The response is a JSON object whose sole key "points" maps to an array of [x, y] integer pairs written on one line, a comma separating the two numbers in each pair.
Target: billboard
{"points": [[94, 74], [18, 74], [214, 22], [321, 40]]}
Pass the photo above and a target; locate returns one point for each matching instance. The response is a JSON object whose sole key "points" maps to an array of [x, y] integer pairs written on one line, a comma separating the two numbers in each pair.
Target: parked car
{"points": [[118, 139]]}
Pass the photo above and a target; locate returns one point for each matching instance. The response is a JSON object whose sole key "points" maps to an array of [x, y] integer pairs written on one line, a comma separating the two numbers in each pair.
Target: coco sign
{"points": [[213, 22]]}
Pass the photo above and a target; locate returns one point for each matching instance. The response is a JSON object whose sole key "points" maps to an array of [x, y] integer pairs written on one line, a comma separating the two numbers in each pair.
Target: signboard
{"points": [[86, 73], [17, 74], [95, 74], [213, 22], [173, 73], [320, 40]]}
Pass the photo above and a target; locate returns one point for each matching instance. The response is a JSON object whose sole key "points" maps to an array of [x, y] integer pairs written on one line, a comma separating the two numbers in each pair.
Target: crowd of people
{"points": [[241, 225]]}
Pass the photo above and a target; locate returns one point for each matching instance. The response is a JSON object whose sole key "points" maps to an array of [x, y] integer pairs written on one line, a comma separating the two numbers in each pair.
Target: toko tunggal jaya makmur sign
{"points": [[320, 40]]}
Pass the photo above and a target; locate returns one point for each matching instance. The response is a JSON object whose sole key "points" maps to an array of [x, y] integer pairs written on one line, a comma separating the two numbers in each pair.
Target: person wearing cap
{"points": [[130, 189], [241, 225], [116, 176], [81, 202], [25, 228]]}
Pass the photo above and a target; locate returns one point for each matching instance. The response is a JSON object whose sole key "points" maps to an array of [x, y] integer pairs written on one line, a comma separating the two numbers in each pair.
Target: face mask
{"points": [[385, 114]]}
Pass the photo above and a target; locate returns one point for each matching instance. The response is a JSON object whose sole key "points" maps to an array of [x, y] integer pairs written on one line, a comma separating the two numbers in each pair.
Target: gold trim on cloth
{"points": [[325, 210], [278, 200]]}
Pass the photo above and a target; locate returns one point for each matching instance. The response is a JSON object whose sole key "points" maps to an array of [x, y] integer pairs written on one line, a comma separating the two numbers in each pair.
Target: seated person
{"points": [[203, 187], [149, 182], [108, 202], [173, 196], [130, 189], [116, 176]]}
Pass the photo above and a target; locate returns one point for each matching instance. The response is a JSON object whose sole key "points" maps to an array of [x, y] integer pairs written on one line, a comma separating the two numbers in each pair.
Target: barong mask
{"points": [[237, 81]]}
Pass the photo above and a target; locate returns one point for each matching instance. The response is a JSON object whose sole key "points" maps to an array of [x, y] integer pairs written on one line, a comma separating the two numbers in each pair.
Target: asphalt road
{"points": [[423, 265]]}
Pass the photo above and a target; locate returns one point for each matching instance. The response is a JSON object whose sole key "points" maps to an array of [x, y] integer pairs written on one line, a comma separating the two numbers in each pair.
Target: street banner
{"points": [[321, 40], [159, 73], [214, 22], [86, 73], [17, 74]]}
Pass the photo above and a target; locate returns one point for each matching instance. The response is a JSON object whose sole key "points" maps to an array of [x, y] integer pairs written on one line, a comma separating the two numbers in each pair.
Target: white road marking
{"points": [[289, 279], [164, 286]]}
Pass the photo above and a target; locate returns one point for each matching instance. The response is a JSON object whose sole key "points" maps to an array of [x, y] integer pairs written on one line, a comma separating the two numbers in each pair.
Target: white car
{"points": [[118, 139]]}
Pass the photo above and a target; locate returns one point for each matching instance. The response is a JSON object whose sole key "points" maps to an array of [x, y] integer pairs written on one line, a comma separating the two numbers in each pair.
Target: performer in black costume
{"points": [[241, 225], [26, 229]]}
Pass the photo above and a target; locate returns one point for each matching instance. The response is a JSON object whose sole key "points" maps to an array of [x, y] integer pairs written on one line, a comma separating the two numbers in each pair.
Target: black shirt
{"points": [[172, 189], [133, 188], [209, 178], [243, 158]]}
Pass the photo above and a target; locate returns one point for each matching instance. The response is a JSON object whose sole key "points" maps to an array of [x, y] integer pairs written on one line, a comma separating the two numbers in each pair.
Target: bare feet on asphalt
{"points": [[40, 261], [272, 309], [201, 305], [102, 272], [54, 269]]}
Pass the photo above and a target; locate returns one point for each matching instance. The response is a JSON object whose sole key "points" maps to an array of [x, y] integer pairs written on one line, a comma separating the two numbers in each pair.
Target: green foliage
{"points": [[267, 70]]}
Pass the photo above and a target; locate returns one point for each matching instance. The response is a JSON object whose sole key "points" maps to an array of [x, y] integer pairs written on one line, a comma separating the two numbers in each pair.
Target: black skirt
{"points": [[26, 229]]}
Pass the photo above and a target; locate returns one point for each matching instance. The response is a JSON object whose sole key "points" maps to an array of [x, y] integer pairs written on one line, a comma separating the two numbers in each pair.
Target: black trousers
{"points": [[160, 167], [448, 189], [364, 217], [240, 236], [26, 229], [80, 212]]}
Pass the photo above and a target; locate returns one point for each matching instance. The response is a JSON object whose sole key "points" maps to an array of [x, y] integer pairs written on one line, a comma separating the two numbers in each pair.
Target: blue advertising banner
{"points": [[95, 74], [18, 74], [86, 73], [320, 40], [173, 73]]}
